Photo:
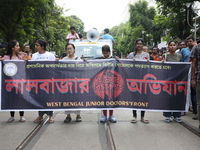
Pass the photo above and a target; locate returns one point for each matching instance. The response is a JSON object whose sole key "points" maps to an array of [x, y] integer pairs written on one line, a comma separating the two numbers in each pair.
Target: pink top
{"points": [[70, 35], [7, 57]]}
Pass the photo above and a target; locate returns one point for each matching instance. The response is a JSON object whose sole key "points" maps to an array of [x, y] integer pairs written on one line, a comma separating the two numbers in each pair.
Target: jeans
{"points": [[135, 113], [174, 114], [41, 113], [193, 100], [198, 99]]}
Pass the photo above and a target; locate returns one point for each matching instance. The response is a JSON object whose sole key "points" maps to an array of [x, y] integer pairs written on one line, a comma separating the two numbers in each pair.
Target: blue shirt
{"points": [[107, 36], [185, 52]]}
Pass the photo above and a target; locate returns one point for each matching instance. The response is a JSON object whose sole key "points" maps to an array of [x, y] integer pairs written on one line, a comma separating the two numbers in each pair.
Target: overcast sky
{"points": [[98, 14]]}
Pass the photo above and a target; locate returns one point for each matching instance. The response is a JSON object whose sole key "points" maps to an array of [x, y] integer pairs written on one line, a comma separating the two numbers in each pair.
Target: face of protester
{"points": [[139, 45], [106, 54], [145, 49], [182, 45], [154, 51], [16, 48], [27, 49], [190, 43], [73, 31], [172, 47], [70, 50], [39, 48]]}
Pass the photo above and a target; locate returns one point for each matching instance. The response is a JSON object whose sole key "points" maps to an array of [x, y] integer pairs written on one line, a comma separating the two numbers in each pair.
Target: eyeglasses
{"points": [[69, 48], [36, 45], [182, 44], [139, 44]]}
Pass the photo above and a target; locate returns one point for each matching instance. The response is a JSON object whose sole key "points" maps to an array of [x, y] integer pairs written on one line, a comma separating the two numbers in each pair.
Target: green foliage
{"points": [[173, 18], [29, 20], [141, 19]]}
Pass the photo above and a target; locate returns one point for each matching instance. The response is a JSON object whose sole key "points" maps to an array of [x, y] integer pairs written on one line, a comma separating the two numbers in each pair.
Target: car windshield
{"points": [[89, 52]]}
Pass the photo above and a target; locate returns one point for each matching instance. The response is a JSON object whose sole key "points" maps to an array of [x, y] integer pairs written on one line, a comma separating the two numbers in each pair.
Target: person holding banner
{"points": [[172, 56], [195, 75], [14, 54], [70, 48], [106, 55], [42, 54], [139, 54]]}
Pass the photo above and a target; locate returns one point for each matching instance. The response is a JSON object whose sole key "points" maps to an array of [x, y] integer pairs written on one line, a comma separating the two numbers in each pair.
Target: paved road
{"points": [[92, 135]]}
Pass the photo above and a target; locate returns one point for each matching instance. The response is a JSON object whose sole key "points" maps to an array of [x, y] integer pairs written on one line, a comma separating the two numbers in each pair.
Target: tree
{"points": [[16, 18], [141, 19], [173, 18], [29, 20]]}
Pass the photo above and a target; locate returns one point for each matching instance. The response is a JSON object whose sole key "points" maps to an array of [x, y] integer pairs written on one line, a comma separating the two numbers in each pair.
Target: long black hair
{"points": [[9, 48], [136, 43]]}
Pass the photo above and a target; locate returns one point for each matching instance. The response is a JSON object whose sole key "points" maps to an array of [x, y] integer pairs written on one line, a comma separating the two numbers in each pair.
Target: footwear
{"points": [[112, 119], [68, 119], [103, 119], [38, 119], [177, 119], [195, 117], [183, 113], [22, 119], [51, 120], [190, 109], [134, 120], [144, 120], [78, 119], [167, 119], [10, 120]]}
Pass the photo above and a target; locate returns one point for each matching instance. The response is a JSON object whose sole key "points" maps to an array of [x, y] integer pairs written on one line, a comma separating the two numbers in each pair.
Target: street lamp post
{"points": [[195, 9]]}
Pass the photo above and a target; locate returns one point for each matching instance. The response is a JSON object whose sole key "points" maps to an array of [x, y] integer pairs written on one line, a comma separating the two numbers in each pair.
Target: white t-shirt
{"points": [[45, 56]]}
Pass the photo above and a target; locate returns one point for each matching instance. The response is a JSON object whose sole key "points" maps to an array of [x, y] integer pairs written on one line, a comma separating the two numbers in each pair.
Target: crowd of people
{"points": [[184, 51]]}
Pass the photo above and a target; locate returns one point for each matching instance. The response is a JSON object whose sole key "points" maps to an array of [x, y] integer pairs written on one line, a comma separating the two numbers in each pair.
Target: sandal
{"points": [[183, 114], [144, 121], [51, 120], [22, 119], [38, 119], [134, 120], [10, 120], [167, 119], [177, 119]]}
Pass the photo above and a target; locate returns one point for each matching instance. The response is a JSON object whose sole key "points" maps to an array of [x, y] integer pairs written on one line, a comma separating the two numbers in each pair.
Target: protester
{"points": [[146, 49], [160, 53], [73, 35], [70, 49], [185, 52], [106, 55], [195, 74], [27, 50], [42, 54], [172, 56], [108, 36], [155, 54], [139, 54], [181, 44], [14, 54]]}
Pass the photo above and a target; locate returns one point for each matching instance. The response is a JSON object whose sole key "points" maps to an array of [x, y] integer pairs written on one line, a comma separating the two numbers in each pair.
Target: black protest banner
{"points": [[94, 84]]}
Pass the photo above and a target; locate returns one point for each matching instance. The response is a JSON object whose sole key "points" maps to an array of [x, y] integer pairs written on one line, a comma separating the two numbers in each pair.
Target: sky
{"points": [[99, 14]]}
